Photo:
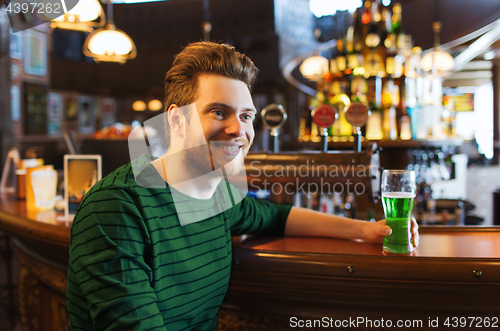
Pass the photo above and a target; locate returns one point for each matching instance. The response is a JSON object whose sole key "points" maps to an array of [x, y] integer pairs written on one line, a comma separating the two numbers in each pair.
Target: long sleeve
{"points": [[109, 276], [253, 216]]}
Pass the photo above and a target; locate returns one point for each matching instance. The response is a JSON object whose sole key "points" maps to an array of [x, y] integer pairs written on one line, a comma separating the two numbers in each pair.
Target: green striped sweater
{"points": [[133, 267]]}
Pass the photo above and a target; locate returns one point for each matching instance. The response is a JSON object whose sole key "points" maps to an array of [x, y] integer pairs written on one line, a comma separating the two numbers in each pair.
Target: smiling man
{"points": [[133, 264]]}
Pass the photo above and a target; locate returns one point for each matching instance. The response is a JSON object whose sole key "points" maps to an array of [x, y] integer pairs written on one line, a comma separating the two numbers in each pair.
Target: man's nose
{"points": [[234, 127]]}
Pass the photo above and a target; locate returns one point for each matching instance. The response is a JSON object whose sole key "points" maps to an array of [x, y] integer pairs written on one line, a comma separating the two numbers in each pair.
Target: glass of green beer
{"points": [[398, 196]]}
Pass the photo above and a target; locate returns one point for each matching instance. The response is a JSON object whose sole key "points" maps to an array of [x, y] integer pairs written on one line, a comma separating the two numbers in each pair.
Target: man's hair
{"points": [[198, 58]]}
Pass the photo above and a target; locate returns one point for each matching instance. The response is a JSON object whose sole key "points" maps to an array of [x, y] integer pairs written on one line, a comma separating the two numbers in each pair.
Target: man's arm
{"points": [[306, 222], [108, 266]]}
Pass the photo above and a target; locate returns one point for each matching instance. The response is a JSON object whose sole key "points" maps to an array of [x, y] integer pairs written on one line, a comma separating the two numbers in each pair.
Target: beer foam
{"points": [[401, 195]]}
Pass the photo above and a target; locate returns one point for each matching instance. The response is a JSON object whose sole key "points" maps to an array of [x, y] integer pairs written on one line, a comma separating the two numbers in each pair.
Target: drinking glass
{"points": [[398, 196]]}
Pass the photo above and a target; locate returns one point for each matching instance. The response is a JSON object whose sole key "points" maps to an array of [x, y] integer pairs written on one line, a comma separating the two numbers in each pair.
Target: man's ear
{"points": [[176, 120]]}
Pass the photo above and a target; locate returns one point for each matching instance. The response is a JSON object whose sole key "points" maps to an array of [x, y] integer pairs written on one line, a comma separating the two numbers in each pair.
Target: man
{"points": [[133, 265]]}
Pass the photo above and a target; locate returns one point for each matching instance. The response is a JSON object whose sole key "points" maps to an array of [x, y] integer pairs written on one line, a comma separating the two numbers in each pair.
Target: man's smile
{"points": [[227, 147]]}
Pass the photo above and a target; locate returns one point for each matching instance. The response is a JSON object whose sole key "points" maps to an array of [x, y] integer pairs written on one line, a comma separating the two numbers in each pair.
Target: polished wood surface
{"points": [[46, 226], [435, 241]]}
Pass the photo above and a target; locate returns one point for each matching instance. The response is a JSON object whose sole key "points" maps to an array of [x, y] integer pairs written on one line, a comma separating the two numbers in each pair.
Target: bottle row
{"points": [[404, 108]]}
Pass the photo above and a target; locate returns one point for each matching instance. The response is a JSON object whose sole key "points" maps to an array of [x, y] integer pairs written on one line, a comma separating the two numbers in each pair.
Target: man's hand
{"points": [[376, 231]]}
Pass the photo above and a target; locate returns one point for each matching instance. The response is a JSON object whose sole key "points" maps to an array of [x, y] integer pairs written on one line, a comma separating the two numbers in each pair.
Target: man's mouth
{"points": [[228, 148]]}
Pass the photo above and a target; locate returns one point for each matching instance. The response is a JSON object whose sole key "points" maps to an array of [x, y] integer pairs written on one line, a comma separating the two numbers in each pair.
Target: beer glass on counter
{"points": [[398, 196]]}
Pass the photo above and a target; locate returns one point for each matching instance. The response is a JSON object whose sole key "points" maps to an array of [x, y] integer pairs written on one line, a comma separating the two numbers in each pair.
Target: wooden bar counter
{"points": [[278, 282]]}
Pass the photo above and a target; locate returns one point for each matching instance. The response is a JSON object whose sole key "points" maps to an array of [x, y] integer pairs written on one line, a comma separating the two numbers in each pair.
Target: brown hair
{"points": [[198, 58]]}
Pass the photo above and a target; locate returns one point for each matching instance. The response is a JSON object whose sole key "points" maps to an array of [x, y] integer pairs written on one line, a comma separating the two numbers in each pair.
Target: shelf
{"points": [[385, 144], [37, 138]]}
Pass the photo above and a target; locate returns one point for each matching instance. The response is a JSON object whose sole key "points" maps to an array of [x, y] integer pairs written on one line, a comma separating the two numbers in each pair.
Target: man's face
{"points": [[226, 113]]}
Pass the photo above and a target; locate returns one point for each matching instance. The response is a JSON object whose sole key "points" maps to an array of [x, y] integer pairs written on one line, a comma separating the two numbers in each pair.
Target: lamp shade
{"points": [[81, 17], [155, 105], [84, 11], [441, 60], [139, 105], [313, 68], [110, 45]]}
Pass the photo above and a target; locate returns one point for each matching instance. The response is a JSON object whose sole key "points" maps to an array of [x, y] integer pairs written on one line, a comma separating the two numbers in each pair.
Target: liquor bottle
{"points": [[366, 15], [390, 40], [397, 26], [385, 26], [350, 206], [359, 89], [389, 126], [414, 118], [305, 122], [326, 203], [358, 40], [339, 101], [337, 204], [350, 35], [374, 124], [341, 59], [372, 39], [405, 125]]}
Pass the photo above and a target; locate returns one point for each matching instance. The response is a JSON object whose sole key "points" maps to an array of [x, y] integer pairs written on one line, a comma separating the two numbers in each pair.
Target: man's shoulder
{"points": [[133, 179]]}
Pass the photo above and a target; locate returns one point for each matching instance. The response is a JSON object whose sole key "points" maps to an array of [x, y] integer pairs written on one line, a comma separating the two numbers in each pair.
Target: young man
{"points": [[133, 265]]}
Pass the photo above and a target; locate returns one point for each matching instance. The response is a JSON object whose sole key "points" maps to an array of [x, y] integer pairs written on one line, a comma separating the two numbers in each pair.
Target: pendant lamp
{"points": [[314, 67], [109, 44], [437, 59], [80, 18]]}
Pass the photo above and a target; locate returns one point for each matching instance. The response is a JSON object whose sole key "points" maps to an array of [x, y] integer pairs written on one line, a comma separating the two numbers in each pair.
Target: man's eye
{"points": [[247, 117], [218, 112]]}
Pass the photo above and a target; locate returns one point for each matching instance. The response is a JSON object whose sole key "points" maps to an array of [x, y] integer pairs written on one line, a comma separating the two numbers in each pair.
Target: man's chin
{"points": [[232, 165]]}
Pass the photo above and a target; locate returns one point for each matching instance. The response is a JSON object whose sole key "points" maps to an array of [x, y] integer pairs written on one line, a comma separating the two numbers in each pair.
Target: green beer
{"points": [[398, 207]]}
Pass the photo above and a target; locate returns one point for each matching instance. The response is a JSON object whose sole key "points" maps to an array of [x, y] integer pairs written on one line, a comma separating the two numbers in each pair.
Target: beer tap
{"points": [[357, 115], [273, 117], [324, 116]]}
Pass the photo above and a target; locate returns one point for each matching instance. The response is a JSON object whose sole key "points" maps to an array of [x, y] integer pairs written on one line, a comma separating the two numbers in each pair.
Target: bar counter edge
{"points": [[277, 280]]}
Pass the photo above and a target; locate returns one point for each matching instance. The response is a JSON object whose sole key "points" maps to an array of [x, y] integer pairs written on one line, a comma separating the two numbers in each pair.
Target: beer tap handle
{"points": [[357, 115], [273, 117]]}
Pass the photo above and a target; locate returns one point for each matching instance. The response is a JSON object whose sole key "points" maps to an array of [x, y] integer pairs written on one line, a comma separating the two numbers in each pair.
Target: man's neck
{"points": [[176, 173]]}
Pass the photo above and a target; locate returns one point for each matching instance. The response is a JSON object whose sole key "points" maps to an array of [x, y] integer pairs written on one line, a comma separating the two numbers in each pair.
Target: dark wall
{"points": [[160, 30]]}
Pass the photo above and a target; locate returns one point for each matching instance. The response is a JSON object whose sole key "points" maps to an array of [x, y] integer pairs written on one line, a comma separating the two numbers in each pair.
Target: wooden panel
{"points": [[276, 279]]}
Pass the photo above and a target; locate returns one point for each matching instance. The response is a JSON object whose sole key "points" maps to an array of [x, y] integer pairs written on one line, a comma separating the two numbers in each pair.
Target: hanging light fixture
{"points": [[155, 105], [80, 18], [314, 67], [437, 59], [139, 105], [109, 44]]}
